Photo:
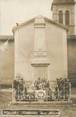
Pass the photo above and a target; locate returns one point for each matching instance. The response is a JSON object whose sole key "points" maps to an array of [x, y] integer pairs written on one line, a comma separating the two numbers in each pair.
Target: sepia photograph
{"points": [[37, 58]]}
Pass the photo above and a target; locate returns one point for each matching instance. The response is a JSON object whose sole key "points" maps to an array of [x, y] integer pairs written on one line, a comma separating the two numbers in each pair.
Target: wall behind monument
{"points": [[72, 60], [56, 44], [6, 62]]}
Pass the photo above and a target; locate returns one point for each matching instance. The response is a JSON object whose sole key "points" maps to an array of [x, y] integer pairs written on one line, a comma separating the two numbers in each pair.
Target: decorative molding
{"points": [[6, 37], [71, 37], [64, 3]]}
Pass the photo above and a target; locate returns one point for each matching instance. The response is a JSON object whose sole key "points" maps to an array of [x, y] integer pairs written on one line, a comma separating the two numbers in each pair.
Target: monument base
{"points": [[36, 109]]}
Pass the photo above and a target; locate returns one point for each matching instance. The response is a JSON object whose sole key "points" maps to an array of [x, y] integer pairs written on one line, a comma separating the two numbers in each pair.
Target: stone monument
{"points": [[39, 95]]}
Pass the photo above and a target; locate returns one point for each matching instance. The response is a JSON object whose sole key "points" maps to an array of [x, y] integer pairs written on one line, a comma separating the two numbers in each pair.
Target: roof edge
{"points": [[22, 24], [45, 18], [55, 23]]}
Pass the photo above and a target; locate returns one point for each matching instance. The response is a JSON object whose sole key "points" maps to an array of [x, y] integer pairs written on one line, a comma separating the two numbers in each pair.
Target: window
{"points": [[67, 17], [61, 17]]}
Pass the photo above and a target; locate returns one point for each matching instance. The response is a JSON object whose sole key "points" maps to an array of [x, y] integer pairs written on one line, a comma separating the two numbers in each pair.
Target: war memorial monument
{"points": [[41, 86]]}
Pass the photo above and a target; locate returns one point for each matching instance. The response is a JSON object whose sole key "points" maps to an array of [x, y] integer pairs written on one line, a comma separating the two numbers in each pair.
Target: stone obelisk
{"points": [[40, 61]]}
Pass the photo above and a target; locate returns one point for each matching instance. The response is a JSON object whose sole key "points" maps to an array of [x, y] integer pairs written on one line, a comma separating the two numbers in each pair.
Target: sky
{"points": [[19, 11]]}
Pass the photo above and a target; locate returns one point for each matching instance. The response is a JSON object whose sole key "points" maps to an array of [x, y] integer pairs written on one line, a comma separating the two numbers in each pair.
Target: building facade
{"points": [[64, 13]]}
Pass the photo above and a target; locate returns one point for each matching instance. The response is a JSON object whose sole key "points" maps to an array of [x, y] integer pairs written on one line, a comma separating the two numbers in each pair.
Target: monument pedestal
{"points": [[36, 109]]}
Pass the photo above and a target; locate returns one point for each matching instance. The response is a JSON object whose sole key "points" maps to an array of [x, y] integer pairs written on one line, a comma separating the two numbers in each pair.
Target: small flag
{"points": [[4, 46]]}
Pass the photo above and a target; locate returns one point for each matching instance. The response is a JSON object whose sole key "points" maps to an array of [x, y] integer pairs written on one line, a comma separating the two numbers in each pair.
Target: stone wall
{"points": [[72, 59], [7, 61]]}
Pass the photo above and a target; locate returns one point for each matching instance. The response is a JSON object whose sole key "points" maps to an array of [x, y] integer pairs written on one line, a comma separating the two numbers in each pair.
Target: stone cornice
{"points": [[71, 37], [6, 37], [64, 3]]}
